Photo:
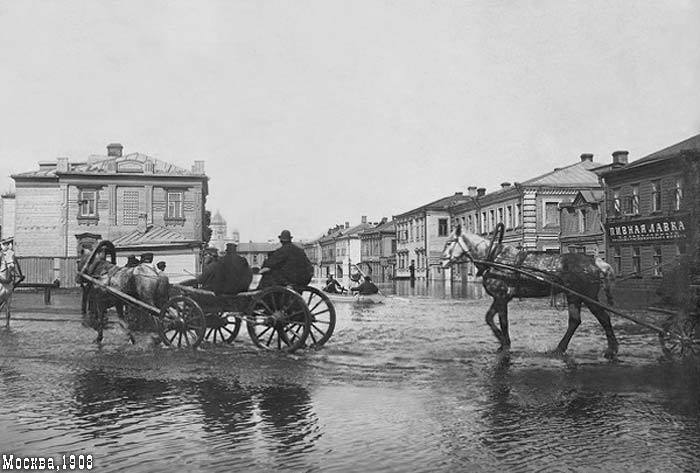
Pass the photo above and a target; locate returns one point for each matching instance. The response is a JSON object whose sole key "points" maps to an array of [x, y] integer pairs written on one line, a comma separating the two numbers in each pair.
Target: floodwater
{"points": [[413, 384]]}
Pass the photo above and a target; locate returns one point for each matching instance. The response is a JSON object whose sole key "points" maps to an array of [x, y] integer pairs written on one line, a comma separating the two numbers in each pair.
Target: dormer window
{"points": [[130, 167]]}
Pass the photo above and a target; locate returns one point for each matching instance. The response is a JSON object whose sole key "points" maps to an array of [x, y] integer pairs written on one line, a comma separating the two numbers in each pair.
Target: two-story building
{"points": [[529, 210], [421, 234], [348, 250], [377, 250], [256, 252], [138, 202], [582, 224], [651, 217], [328, 252]]}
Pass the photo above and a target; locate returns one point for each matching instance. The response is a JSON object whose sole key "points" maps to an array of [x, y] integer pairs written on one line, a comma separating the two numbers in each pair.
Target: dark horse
{"points": [[581, 273], [142, 282]]}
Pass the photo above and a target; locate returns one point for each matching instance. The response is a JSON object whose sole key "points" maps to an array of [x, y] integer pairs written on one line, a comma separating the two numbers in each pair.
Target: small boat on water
{"points": [[356, 298]]}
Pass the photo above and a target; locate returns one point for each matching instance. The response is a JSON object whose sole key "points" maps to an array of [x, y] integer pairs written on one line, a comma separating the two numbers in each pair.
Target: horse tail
{"points": [[607, 277]]}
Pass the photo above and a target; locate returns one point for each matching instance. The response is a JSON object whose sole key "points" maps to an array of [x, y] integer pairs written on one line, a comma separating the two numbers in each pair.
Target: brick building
{"points": [[650, 218], [139, 202]]}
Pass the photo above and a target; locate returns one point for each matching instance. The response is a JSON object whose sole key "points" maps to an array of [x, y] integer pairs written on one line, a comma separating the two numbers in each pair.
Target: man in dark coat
{"points": [[366, 288], [287, 265], [235, 271]]}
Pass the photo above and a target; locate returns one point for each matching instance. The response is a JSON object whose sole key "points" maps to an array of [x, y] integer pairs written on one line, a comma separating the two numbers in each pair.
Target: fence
{"points": [[46, 270]]}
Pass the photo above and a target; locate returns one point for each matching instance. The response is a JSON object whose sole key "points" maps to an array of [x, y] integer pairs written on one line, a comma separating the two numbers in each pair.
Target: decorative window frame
{"points": [[167, 217], [89, 219]]}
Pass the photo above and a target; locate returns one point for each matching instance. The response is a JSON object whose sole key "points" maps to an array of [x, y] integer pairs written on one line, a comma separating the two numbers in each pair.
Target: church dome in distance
{"points": [[217, 219]]}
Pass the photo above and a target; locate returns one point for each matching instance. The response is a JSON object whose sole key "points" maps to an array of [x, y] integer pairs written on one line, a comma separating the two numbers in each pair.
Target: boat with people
{"points": [[356, 298]]}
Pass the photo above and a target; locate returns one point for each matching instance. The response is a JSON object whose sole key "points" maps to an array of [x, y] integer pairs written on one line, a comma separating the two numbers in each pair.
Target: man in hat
{"points": [[366, 288], [161, 266], [235, 272], [147, 259], [10, 275], [287, 265]]}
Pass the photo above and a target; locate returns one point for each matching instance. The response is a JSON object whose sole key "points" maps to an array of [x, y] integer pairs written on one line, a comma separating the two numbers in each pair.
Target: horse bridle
{"points": [[465, 255]]}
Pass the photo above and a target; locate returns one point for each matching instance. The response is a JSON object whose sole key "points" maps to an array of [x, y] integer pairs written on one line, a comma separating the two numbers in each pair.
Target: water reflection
{"points": [[224, 414], [435, 289]]}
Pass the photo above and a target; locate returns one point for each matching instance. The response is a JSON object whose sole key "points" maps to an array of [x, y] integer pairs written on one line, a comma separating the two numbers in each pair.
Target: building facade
{"points": [[256, 252], [421, 234], [377, 251], [529, 211], [651, 217], [135, 200], [348, 250], [582, 224]]}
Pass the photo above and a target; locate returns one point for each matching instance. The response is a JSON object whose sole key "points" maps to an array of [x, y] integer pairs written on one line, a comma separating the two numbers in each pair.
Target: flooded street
{"points": [[413, 384]]}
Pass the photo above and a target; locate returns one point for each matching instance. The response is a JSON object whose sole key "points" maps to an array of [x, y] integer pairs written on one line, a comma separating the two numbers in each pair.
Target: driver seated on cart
{"points": [[287, 265], [228, 275]]}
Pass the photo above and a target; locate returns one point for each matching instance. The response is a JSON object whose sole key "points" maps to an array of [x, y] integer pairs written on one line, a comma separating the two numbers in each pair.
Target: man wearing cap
{"points": [[287, 265]]}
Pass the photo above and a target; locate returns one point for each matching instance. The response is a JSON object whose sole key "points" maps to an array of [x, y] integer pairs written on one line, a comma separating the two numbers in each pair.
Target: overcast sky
{"points": [[312, 113]]}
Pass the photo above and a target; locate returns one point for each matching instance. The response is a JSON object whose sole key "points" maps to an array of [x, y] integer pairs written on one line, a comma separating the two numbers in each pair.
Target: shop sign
{"points": [[650, 229]]}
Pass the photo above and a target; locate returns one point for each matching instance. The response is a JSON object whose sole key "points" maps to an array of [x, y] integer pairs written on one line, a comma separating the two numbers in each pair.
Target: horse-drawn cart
{"points": [[277, 317], [512, 277]]}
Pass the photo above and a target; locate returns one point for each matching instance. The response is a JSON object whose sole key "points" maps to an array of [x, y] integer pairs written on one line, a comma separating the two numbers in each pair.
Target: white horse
{"points": [[578, 272]]}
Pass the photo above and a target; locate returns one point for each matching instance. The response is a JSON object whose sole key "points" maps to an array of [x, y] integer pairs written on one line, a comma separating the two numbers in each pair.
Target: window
{"points": [[470, 225], [255, 259], [636, 261], [174, 205], [88, 203], [492, 220], [483, 222], [634, 200], [442, 227], [500, 215], [617, 260], [658, 270], [582, 220], [656, 196], [551, 214], [509, 216], [678, 194], [518, 214], [616, 204]]}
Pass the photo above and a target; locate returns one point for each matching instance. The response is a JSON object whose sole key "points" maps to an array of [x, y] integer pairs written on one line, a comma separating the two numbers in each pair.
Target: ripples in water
{"points": [[409, 385]]}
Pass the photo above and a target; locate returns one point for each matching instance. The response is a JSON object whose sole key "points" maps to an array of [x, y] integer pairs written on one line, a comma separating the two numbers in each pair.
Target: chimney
{"points": [[619, 158], [505, 185], [114, 150], [61, 164], [198, 167], [459, 193], [587, 157], [480, 192], [364, 219], [471, 191], [142, 224], [347, 224]]}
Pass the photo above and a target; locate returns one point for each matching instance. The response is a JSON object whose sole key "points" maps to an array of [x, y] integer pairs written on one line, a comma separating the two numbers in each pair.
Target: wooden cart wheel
{"points": [[278, 319], [181, 323], [222, 327], [322, 315], [681, 337]]}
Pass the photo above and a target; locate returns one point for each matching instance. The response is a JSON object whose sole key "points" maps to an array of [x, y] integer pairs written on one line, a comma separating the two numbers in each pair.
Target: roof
{"points": [[354, 231], [386, 227], [131, 164], [441, 204], [575, 175], [257, 247], [690, 144], [153, 236], [217, 219], [588, 196]]}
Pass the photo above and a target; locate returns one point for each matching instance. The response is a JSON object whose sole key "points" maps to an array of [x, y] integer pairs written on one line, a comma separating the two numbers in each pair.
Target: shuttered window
{"points": [[130, 206]]}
